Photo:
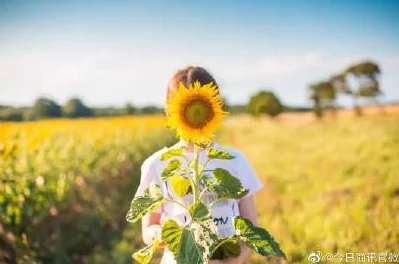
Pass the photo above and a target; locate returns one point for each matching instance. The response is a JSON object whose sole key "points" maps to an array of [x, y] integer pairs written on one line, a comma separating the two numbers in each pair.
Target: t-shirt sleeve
{"points": [[148, 174], [248, 177]]}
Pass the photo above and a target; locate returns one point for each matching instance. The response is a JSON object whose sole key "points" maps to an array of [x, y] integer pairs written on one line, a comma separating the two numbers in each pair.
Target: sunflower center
{"points": [[197, 113]]}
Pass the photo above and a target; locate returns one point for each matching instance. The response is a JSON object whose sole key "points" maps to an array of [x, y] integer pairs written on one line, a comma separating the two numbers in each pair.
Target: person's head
{"points": [[188, 76]]}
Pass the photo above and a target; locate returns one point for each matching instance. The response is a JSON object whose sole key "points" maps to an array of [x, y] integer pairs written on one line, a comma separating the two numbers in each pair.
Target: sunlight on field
{"points": [[331, 186], [31, 135]]}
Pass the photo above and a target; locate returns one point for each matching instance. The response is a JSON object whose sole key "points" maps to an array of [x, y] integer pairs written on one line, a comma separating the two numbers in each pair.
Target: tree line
{"points": [[263, 102], [74, 108], [358, 81]]}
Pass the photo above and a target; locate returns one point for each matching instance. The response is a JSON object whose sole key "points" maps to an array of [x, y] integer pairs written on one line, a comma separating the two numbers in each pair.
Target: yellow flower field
{"points": [[331, 186], [62, 172]]}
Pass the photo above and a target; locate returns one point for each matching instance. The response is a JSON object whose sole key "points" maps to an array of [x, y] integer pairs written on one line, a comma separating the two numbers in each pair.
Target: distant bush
{"points": [[74, 107], [129, 109], [265, 102], [11, 114], [45, 108], [151, 110]]}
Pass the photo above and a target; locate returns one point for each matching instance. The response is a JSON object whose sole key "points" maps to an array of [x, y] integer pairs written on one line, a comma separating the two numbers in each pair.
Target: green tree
{"points": [[324, 96], [315, 97], [149, 110], [265, 102], [45, 108], [129, 109], [328, 95], [366, 74], [339, 83], [74, 108], [11, 114]]}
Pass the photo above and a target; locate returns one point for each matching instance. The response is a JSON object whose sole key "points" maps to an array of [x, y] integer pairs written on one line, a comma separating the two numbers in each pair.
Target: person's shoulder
{"points": [[155, 158]]}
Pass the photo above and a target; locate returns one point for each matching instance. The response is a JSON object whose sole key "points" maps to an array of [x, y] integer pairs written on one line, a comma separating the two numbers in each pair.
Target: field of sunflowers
{"points": [[65, 185]]}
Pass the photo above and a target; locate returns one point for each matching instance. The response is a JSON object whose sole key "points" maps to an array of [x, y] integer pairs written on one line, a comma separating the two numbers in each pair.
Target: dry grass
{"points": [[330, 186]]}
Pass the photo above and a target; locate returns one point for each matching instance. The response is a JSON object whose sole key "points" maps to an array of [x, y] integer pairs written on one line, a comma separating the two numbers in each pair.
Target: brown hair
{"points": [[188, 76]]}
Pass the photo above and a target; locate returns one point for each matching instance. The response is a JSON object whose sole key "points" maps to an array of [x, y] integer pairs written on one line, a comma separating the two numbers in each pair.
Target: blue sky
{"points": [[113, 52]]}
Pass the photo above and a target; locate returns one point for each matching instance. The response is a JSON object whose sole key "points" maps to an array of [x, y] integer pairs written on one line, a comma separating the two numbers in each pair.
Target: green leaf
{"points": [[229, 248], [144, 255], [197, 243], [170, 169], [213, 153], [142, 205], [225, 185], [171, 235], [179, 184], [256, 238], [173, 153], [199, 211]]}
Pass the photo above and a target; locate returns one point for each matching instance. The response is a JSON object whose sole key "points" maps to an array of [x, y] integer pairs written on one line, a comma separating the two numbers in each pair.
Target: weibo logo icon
{"points": [[314, 257]]}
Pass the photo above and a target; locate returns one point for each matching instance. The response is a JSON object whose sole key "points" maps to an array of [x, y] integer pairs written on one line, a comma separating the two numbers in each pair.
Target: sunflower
{"points": [[195, 112]]}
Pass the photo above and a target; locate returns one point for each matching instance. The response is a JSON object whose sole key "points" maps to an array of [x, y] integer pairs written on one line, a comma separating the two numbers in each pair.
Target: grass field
{"points": [[331, 185]]}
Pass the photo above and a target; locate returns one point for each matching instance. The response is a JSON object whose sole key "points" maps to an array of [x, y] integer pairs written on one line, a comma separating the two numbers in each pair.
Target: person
{"points": [[222, 211]]}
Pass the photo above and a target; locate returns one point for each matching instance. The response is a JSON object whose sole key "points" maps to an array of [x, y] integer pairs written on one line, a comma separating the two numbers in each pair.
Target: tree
{"points": [[129, 109], [328, 95], [74, 108], [11, 114], [366, 75], [44, 108], [265, 102], [323, 95], [150, 110], [315, 97], [339, 83]]}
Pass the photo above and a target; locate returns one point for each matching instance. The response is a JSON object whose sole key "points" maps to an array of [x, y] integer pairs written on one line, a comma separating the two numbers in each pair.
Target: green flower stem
{"points": [[196, 175]]}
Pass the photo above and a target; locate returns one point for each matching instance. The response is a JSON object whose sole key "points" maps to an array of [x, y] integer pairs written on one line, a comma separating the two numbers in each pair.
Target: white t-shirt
{"points": [[222, 211]]}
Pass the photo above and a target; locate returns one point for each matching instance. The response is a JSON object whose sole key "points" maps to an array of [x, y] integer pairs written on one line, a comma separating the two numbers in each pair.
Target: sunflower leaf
{"points": [[229, 248], [173, 167], [180, 185], [171, 235], [199, 211], [213, 153], [225, 185], [141, 205], [173, 153], [144, 255], [256, 238], [198, 241]]}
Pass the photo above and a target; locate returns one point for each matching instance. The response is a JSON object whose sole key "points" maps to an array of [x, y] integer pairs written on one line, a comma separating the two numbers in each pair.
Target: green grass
{"points": [[331, 186]]}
